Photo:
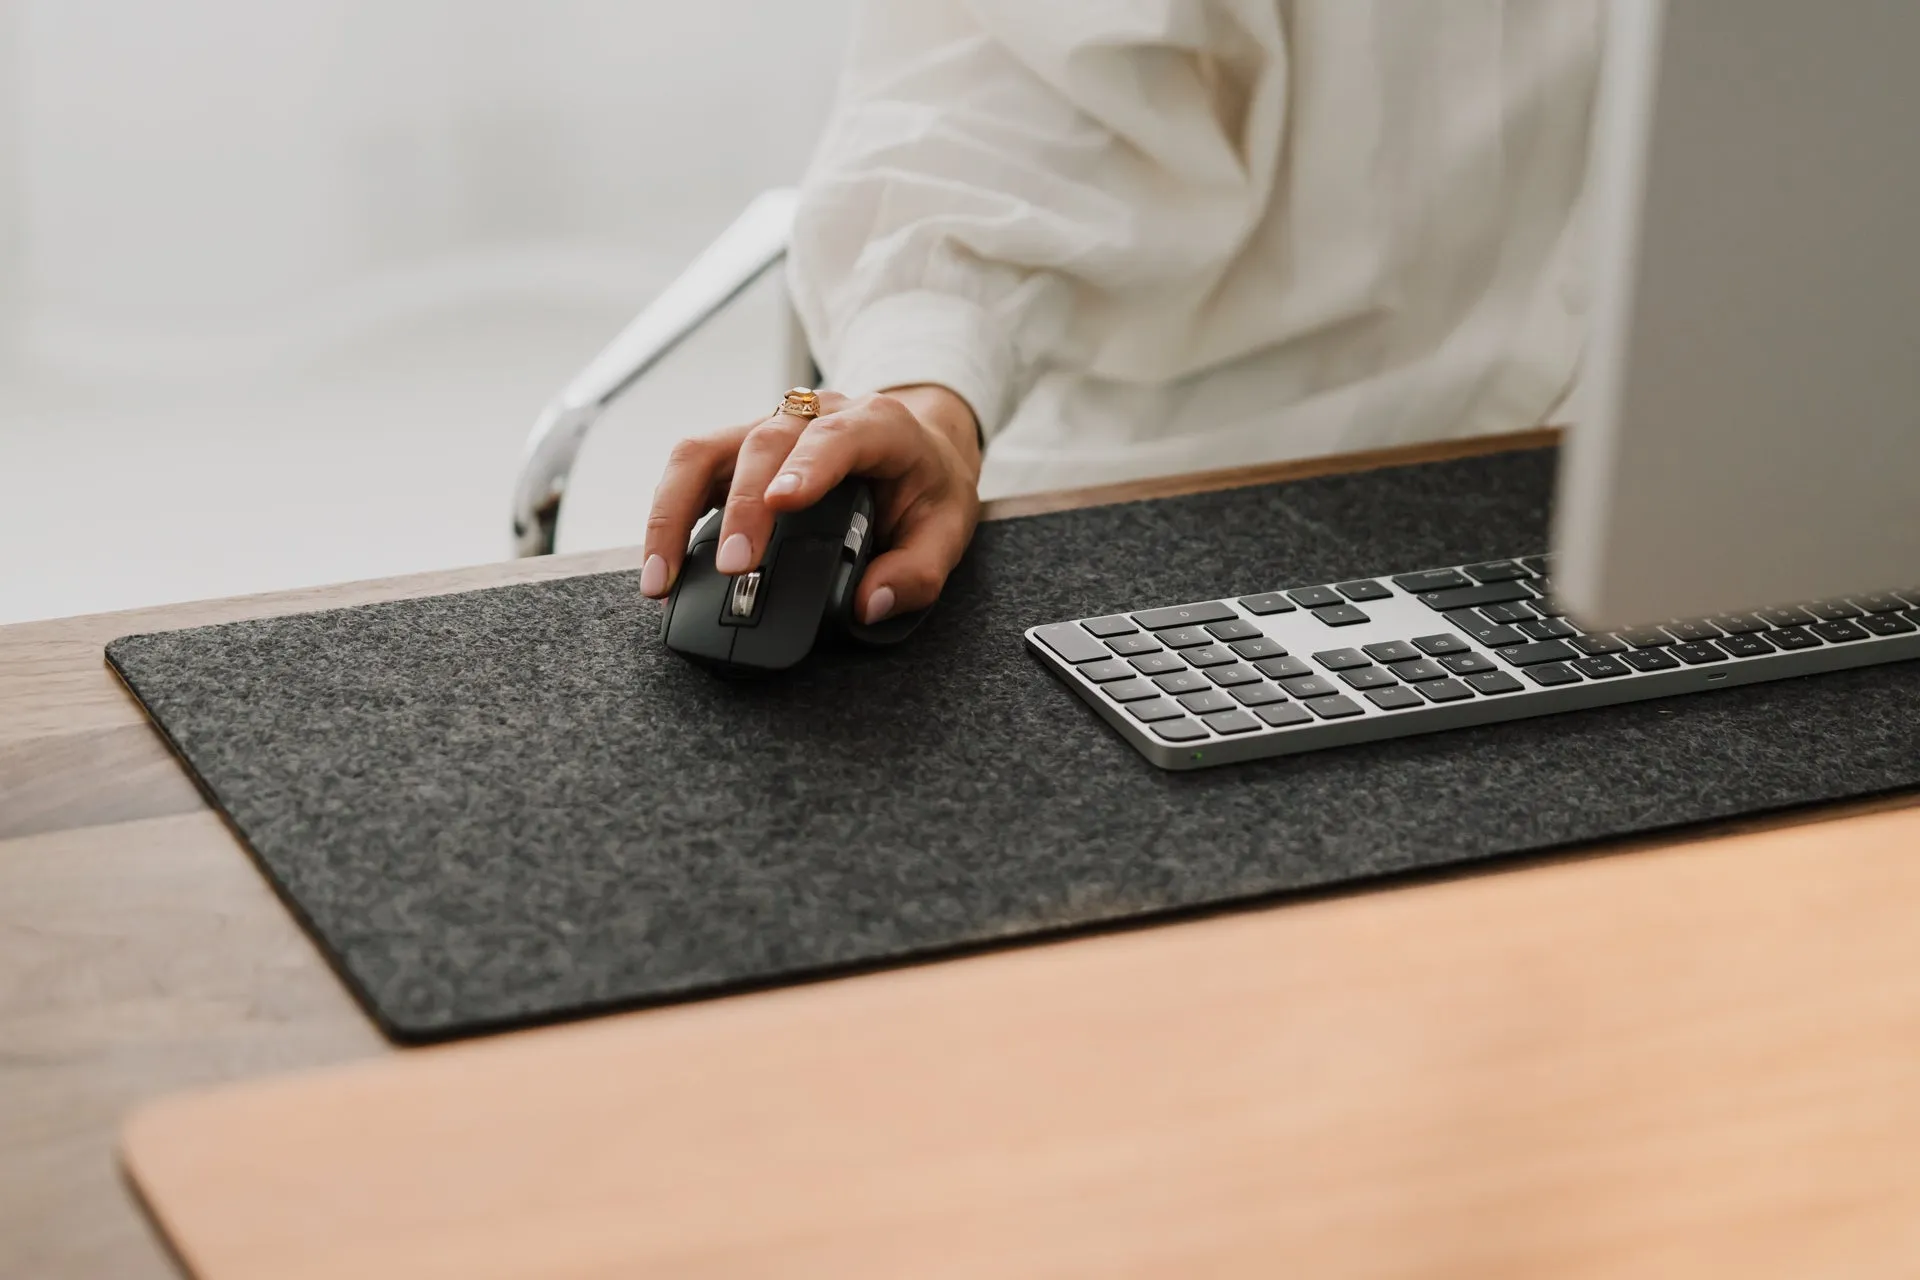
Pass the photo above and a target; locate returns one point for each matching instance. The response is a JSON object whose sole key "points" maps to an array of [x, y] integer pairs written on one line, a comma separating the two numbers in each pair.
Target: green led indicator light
{"points": [[1198, 754]]}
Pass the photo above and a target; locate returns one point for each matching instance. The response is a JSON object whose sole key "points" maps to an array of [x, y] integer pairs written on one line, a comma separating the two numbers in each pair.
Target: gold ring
{"points": [[799, 402]]}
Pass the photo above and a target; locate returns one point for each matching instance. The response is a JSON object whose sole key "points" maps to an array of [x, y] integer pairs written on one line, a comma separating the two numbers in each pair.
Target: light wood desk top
{"points": [[140, 951], [1699, 1061]]}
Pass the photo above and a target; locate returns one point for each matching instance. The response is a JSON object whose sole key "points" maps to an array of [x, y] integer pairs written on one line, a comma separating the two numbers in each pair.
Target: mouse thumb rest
{"points": [[890, 630], [769, 619]]}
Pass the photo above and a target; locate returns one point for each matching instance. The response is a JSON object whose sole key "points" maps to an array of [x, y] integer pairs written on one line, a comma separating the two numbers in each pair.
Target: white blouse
{"points": [[1149, 236]]}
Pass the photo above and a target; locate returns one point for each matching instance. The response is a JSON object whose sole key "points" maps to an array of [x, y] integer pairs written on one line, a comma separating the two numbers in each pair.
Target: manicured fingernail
{"points": [[736, 555], [785, 482], [653, 576], [879, 605]]}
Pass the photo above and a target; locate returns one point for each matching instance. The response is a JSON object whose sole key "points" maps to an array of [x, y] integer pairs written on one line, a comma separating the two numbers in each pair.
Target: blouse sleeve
{"points": [[1003, 184]]}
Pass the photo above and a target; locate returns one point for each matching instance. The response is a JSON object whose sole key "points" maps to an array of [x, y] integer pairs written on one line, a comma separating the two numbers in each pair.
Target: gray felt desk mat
{"points": [[512, 805]]}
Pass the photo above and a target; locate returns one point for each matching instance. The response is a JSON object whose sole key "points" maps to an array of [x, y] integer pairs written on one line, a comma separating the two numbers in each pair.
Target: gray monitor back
{"points": [[1752, 427]]}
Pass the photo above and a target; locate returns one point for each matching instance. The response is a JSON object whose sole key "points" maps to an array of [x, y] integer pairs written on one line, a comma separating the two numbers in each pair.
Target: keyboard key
{"points": [[1130, 691], [1787, 616], [1182, 682], [1474, 597], [1880, 602], [1073, 644], [1692, 630], [1793, 638], [1885, 624], [1214, 655], [1528, 655], [1367, 678], [1392, 651], [1497, 571], [1202, 703], [1315, 597], [1238, 629], [1282, 668], [1283, 715], [1492, 682], [1340, 659], [1341, 615], [1513, 611], [1540, 565], [1491, 634], [1105, 627], [1601, 668], [1183, 637], [1184, 615], [1181, 730], [1549, 606], [1157, 709], [1596, 645], [1135, 643], [1467, 664], [1547, 629], [1264, 647], [1152, 664], [1304, 687], [1647, 638], [1334, 708], [1832, 610], [1448, 690], [1438, 645], [1553, 673], [1105, 670], [1237, 674], [1419, 669], [1432, 580], [1738, 624], [1650, 660], [1395, 698], [1364, 590], [1266, 603], [1258, 695], [1838, 632], [1698, 654], [1746, 646], [1234, 721]]}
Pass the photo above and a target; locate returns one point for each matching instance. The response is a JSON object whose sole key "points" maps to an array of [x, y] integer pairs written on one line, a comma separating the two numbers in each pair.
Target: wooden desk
{"points": [[141, 953], [1693, 1062]]}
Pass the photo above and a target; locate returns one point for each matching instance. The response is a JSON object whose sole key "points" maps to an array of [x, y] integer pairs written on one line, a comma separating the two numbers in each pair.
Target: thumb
{"points": [[910, 575]]}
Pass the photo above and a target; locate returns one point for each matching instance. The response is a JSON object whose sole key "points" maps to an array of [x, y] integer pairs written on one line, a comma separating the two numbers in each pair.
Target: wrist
{"points": [[946, 415]]}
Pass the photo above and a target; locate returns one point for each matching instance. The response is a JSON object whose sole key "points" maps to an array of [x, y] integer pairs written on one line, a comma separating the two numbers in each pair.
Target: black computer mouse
{"points": [[768, 620]]}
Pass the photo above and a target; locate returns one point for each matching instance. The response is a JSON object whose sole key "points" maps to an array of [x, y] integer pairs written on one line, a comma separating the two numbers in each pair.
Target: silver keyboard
{"points": [[1216, 681]]}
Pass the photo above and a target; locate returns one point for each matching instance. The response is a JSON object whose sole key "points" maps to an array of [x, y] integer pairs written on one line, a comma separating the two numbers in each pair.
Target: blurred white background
{"points": [[282, 286]]}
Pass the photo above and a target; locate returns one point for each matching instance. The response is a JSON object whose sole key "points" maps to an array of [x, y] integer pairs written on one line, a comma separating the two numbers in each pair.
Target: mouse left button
{"points": [[693, 625]]}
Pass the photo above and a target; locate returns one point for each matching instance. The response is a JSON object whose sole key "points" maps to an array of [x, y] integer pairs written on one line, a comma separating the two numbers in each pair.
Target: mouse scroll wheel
{"points": [[856, 535], [743, 595]]}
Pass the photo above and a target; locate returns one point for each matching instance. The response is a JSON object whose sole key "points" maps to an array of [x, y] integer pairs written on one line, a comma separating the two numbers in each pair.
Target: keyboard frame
{"points": [[1302, 635]]}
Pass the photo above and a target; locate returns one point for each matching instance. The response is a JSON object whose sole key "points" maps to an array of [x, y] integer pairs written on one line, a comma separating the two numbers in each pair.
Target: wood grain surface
{"points": [[1702, 1061]]}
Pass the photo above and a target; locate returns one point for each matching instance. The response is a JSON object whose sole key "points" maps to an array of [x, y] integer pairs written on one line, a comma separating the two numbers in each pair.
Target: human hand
{"points": [[918, 445]]}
